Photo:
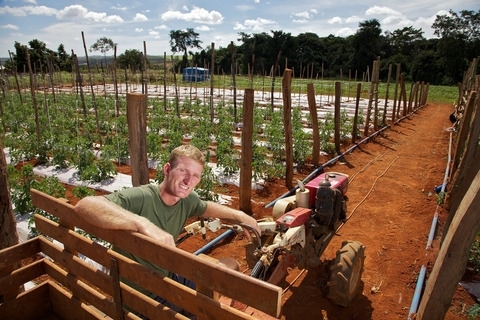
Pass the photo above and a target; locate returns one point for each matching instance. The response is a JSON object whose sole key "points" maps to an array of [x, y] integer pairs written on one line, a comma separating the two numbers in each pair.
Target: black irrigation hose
{"points": [[319, 170]]}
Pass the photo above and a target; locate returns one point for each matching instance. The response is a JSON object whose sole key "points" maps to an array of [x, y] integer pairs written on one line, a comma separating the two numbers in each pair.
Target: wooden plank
{"points": [[154, 282], [80, 289], [34, 304], [21, 276], [262, 295], [452, 260], [66, 306], [18, 252]]}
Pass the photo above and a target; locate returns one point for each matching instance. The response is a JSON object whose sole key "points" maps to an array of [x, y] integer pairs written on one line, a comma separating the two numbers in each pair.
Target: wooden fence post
{"points": [[287, 122], [312, 106], [245, 193], [338, 97], [137, 134], [452, 258], [355, 118]]}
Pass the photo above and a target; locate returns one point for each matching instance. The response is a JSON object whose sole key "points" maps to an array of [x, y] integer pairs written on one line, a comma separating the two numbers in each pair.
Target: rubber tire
{"points": [[346, 273]]}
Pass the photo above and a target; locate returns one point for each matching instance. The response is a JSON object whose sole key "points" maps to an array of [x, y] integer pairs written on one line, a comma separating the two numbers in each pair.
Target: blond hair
{"points": [[188, 151]]}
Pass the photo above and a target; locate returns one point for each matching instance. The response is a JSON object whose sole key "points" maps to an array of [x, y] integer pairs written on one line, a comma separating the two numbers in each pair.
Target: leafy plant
{"points": [[20, 182], [301, 145], [474, 257], [81, 192], [326, 132], [474, 311], [207, 184], [227, 157]]}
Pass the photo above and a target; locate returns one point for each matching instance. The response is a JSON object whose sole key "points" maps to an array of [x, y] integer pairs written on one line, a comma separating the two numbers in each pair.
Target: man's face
{"points": [[183, 178]]}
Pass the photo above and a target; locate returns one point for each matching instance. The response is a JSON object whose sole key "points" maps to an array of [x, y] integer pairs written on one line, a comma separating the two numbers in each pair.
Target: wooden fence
{"points": [[68, 287]]}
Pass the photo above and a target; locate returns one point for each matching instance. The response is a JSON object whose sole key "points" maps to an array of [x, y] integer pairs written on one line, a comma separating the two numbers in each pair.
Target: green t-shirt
{"points": [[146, 202]]}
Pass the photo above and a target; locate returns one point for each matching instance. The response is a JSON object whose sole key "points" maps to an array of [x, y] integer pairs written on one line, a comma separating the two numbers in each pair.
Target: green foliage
{"points": [[474, 257], [301, 139], [326, 132], [20, 183], [132, 59], [474, 311], [81, 192], [51, 186], [227, 157], [274, 134], [207, 184]]}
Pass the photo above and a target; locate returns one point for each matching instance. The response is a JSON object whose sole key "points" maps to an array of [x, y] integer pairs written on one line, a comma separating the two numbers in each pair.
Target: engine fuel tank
{"points": [[337, 180]]}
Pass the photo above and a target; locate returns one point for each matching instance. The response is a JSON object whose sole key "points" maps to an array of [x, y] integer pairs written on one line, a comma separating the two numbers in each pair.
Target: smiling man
{"points": [[160, 211]]}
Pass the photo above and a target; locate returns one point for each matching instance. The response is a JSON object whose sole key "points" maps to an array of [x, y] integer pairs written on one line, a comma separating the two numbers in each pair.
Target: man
{"points": [[160, 211]]}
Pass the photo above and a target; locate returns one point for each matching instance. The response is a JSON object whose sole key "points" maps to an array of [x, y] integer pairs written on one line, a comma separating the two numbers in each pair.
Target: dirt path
{"points": [[391, 206]]}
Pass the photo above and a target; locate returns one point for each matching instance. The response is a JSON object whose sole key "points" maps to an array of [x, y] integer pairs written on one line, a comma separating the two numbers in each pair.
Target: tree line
{"points": [[439, 61]]}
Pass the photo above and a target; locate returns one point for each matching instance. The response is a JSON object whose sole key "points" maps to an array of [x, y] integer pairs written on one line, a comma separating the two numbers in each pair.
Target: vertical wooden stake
{"points": [[245, 193], [312, 105], [338, 97], [137, 134], [287, 122], [355, 119]]}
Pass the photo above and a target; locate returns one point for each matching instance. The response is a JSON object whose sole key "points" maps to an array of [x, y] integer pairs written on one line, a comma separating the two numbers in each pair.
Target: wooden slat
{"points": [[80, 289], [153, 282], [69, 307], [34, 304], [261, 295], [184, 297], [18, 252], [21, 276]]}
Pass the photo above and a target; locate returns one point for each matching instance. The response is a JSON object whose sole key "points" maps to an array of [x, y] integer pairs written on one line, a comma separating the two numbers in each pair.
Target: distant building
{"points": [[194, 74]]}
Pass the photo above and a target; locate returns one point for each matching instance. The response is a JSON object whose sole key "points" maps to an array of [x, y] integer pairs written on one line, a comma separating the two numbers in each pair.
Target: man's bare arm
{"points": [[216, 210], [101, 212]]}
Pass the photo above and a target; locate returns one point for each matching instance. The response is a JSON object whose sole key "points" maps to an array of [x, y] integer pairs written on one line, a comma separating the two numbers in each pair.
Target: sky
{"points": [[131, 23]]}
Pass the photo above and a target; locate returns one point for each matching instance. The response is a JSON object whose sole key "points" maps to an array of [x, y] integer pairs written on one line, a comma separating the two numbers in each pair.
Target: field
{"points": [[391, 206]]}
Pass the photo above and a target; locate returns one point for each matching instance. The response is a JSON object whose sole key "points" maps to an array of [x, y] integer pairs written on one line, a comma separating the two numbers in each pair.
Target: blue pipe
{"points": [[213, 242], [421, 276], [418, 291]]}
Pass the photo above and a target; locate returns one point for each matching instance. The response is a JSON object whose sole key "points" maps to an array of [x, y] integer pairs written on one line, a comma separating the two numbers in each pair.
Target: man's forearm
{"points": [[103, 213]]}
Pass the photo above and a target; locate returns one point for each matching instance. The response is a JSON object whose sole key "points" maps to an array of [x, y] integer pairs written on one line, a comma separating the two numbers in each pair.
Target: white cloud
{"points": [[198, 15], [9, 26], [138, 29], [26, 10], [345, 32], [119, 8], [203, 28], [335, 20], [381, 11], [258, 24], [140, 17], [305, 14], [79, 12], [162, 27], [31, 1], [353, 19]]}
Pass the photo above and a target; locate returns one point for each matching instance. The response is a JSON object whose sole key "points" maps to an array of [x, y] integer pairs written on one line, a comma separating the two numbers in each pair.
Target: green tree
{"points": [[459, 42], [103, 45], [64, 61], [131, 59], [366, 43], [182, 40], [39, 55]]}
